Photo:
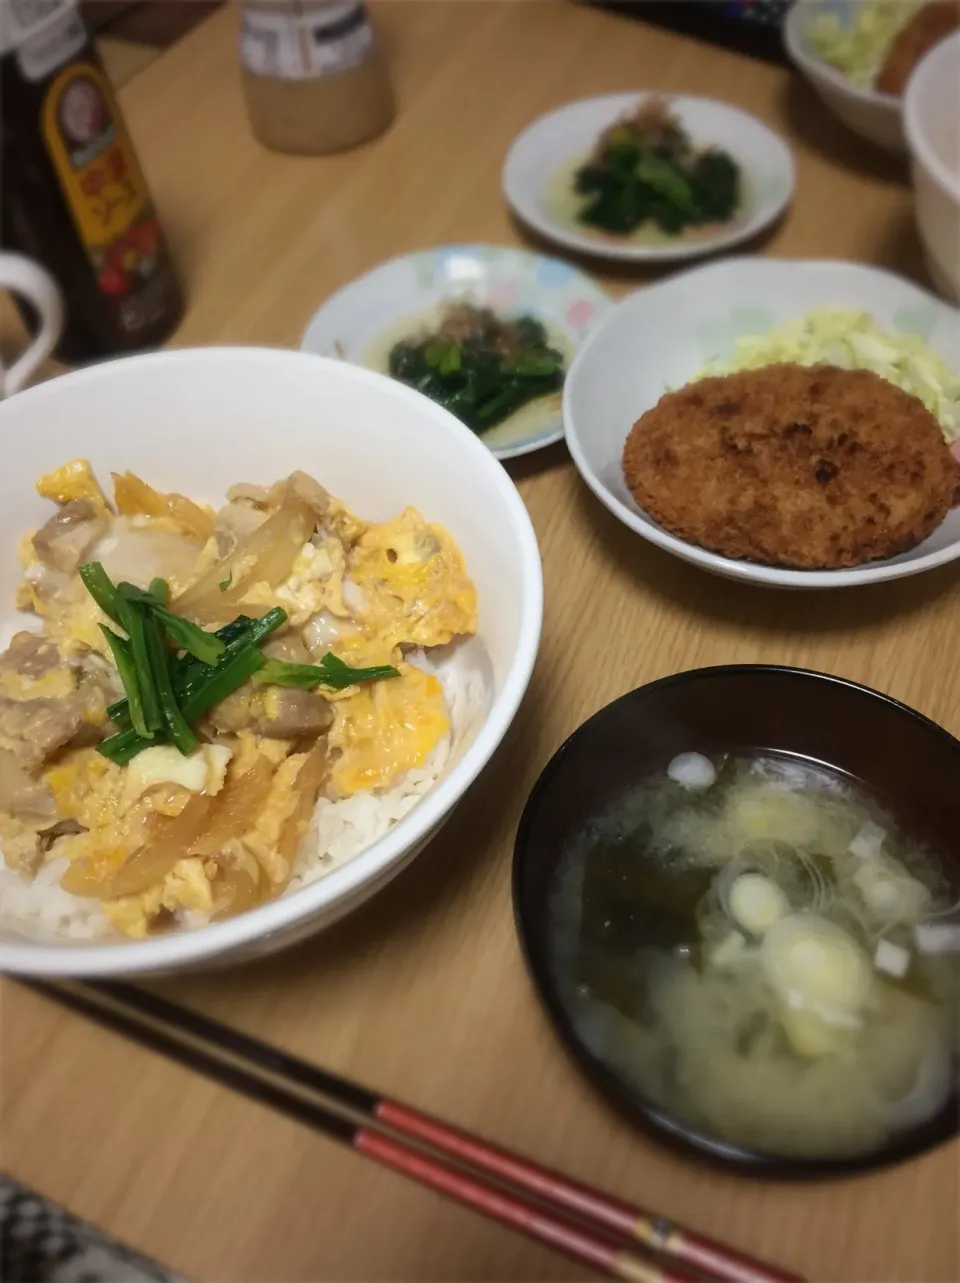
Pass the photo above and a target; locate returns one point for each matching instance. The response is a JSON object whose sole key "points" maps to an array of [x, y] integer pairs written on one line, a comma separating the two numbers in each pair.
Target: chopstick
{"points": [[484, 1177]]}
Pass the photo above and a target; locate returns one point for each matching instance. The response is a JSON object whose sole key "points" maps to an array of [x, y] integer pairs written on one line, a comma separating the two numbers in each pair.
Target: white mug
{"points": [[23, 276]]}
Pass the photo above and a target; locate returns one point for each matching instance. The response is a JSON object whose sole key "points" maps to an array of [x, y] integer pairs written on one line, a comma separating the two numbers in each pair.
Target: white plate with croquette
{"points": [[770, 470]]}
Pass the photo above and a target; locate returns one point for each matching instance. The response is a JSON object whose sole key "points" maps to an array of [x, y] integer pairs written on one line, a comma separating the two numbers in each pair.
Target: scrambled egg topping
{"points": [[75, 480], [387, 728], [138, 836]]}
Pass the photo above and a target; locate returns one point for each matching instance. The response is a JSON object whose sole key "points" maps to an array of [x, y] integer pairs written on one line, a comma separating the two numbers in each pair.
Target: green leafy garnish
{"points": [[134, 621], [123, 658], [174, 721], [168, 688], [101, 589], [331, 672], [479, 366], [207, 647], [224, 584], [645, 169]]}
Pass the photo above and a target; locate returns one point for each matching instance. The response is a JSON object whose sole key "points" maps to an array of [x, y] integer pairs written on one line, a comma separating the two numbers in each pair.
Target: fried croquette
{"points": [[809, 467], [926, 28]]}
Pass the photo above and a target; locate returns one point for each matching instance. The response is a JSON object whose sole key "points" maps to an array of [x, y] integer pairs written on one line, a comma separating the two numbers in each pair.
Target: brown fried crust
{"points": [[926, 28], [810, 467]]}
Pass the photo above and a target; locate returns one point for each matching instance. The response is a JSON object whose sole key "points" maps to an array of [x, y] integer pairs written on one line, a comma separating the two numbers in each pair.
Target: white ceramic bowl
{"points": [[932, 119], [659, 337], [874, 116], [541, 154], [198, 421]]}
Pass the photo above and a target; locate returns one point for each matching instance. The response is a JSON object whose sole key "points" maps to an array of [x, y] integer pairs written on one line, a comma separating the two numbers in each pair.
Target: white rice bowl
{"points": [[212, 398], [340, 829]]}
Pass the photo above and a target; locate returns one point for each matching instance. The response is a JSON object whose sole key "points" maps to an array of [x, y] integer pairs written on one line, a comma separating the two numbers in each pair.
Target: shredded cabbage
{"points": [[849, 339], [859, 46]]}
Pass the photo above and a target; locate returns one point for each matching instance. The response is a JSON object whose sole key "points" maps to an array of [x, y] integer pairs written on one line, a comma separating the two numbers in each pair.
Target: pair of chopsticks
{"points": [[610, 1236]]}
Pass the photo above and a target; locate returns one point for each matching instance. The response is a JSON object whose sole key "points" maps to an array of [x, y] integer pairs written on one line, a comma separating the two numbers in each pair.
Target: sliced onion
{"points": [[309, 781], [235, 808], [237, 890], [265, 556], [152, 862]]}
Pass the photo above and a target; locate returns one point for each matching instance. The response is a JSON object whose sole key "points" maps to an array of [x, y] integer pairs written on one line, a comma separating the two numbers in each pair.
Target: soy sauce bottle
{"points": [[72, 194]]}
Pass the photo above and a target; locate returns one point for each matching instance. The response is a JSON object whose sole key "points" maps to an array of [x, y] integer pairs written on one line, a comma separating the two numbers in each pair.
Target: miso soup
{"points": [[735, 939]]}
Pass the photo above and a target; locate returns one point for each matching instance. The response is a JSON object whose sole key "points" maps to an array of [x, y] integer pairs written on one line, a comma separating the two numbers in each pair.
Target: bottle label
{"points": [[105, 191], [316, 38]]}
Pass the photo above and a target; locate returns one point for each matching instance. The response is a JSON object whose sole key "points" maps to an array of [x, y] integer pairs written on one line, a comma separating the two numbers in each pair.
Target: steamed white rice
{"points": [[40, 909]]}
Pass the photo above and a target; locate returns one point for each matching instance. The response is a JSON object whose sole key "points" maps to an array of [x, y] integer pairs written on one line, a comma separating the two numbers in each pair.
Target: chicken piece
{"points": [[242, 491], [35, 729], [20, 793], [32, 668], [306, 489], [64, 541], [21, 847], [276, 712], [288, 714], [234, 714], [30, 655], [928, 26], [239, 519]]}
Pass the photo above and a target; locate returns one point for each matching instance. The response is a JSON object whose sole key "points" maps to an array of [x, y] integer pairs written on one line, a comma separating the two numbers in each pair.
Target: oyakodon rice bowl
{"points": [[401, 670]]}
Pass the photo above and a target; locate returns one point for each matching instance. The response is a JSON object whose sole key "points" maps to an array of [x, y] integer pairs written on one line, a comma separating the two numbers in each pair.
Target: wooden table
{"points": [[423, 992]]}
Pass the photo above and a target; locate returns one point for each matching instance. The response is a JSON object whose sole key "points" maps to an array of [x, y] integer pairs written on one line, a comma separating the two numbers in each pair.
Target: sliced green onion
{"points": [[140, 596], [331, 671], [173, 718], [123, 658], [237, 666], [134, 622], [207, 647], [194, 687], [186, 670], [98, 585], [160, 589]]}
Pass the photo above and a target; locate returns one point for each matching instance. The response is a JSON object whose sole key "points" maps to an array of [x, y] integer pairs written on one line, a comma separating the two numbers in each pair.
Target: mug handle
{"points": [[23, 276]]}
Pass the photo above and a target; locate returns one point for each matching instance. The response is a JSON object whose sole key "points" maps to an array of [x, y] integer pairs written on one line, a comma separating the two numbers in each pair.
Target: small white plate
{"points": [[361, 322], [659, 337], [539, 169]]}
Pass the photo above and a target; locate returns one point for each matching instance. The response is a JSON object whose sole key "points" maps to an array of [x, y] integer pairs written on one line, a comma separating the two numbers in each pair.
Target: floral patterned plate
{"points": [[361, 322]]}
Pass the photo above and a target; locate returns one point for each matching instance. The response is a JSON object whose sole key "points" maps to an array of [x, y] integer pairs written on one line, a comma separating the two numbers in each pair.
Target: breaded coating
{"points": [[810, 467], [928, 26]]}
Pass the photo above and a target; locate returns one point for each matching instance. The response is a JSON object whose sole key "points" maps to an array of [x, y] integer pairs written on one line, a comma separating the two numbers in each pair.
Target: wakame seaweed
{"points": [[479, 366], [645, 169]]}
